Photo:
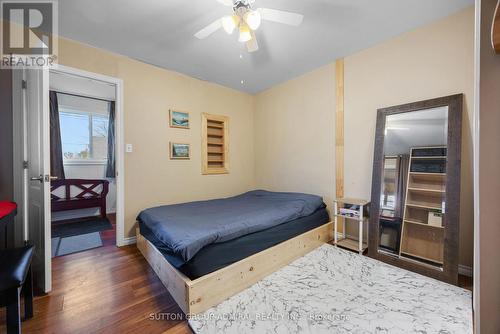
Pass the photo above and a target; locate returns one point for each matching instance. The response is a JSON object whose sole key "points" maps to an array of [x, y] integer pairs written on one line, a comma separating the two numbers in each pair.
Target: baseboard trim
{"points": [[127, 241], [465, 270]]}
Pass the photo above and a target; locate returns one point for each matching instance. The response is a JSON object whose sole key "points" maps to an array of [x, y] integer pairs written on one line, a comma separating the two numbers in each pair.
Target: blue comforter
{"points": [[186, 228]]}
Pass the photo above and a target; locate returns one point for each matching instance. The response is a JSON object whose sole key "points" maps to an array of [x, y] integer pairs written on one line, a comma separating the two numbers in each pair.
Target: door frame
{"points": [[20, 171], [20, 175], [476, 279], [119, 144]]}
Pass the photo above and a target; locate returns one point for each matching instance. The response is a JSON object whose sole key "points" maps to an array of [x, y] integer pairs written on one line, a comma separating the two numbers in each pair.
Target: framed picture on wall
{"points": [[180, 151], [179, 119]]}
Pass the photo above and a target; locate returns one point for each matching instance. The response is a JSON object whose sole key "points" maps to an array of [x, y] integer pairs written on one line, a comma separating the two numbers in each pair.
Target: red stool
{"points": [[8, 210]]}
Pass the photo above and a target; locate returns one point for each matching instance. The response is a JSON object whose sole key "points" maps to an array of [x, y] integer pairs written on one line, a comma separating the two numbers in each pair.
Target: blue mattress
{"points": [[184, 229], [216, 256]]}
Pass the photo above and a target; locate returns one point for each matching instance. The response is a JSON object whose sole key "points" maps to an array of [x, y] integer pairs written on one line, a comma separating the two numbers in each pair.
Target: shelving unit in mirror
{"points": [[350, 210], [422, 236]]}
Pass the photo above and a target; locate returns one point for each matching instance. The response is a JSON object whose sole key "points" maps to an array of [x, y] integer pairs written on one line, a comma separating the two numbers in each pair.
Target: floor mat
{"points": [[331, 290], [83, 226], [74, 244]]}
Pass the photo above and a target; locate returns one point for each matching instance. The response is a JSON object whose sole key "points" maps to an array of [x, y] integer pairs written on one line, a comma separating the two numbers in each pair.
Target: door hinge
{"points": [[24, 84], [25, 164]]}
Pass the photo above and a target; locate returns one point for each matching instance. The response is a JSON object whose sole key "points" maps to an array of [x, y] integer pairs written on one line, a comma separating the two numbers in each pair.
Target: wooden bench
{"points": [[87, 197]]}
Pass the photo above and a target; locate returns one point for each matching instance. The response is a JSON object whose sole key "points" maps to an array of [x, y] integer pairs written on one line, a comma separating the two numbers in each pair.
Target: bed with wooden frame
{"points": [[198, 295]]}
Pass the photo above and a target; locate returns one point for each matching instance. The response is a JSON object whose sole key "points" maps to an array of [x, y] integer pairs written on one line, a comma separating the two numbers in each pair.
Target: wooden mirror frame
{"points": [[451, 221], [495, 30]]}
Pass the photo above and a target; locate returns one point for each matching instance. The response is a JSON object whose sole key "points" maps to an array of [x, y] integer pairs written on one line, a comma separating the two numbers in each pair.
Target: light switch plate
{"points": [[129, 148]]}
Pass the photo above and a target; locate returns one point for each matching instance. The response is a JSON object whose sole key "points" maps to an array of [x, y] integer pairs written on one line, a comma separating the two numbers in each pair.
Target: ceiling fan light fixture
{"points": [[247, 20], [253, 19], [245, 35], [229, 23]]}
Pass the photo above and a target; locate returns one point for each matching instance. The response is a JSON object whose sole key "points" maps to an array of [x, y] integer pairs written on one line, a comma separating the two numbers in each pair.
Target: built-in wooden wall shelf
{"points": [[215, 144]]}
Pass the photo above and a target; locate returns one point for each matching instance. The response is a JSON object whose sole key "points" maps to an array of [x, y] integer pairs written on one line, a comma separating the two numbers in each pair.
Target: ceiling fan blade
{"points": [[208, 30], [252, 44], [281, 16], [226, 2]]}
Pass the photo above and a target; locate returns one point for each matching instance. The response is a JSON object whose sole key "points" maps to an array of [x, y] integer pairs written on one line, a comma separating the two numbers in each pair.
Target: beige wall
{"points": [[151, 178], [489, 179], [295, 137], [295, 125], [291, 125], [432, 61]]}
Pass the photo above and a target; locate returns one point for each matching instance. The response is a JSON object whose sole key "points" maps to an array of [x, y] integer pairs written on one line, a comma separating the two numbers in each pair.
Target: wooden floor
{"points": [[109, 290], [104, 290]]}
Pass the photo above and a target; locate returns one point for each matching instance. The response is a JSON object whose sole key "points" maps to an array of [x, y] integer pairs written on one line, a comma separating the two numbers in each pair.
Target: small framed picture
{"points": [[180, 151], [179, 119]]}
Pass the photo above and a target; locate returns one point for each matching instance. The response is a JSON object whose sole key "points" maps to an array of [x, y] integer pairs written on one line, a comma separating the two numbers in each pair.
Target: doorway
{"points": [[82, 152], [84, 204]]}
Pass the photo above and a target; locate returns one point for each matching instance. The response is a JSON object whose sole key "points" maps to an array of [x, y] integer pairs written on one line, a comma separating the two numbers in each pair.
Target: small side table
{"points": [[355, 216]]}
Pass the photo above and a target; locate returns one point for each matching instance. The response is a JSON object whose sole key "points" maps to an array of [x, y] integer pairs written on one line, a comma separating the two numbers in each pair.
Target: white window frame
{"points": [[91, 161]]}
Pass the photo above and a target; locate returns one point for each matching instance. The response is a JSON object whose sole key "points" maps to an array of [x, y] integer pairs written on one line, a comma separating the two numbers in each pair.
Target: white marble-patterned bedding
{"points": [[331, 290]]}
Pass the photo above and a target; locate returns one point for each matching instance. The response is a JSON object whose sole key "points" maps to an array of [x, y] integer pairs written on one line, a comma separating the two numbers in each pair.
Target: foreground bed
{"points": [[198, 294], [331, 290]]}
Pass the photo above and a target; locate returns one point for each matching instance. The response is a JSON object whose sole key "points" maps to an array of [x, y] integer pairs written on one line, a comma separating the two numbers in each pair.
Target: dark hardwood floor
{"points": [[109, 290], [104, 290], [465, 282]]}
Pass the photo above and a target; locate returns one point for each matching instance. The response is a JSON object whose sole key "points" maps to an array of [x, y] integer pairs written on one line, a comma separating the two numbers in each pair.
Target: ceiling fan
{"points": [[247, 20]]}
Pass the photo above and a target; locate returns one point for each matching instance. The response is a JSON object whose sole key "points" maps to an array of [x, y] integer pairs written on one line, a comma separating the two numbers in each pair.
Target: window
{"points": [[389, 191], [84, 129]]}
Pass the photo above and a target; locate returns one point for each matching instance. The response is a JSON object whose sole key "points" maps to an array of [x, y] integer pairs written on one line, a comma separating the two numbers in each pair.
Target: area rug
{"points": [[331, 290], [81, 226], [74, 244]]}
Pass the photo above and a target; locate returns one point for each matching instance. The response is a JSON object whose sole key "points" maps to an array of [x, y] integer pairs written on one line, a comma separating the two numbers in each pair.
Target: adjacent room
{"points": [[250, 166], [82, 151]]}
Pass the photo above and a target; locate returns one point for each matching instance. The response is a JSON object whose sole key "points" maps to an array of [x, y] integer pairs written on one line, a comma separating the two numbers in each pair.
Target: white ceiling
{"points": [[160, 32]]}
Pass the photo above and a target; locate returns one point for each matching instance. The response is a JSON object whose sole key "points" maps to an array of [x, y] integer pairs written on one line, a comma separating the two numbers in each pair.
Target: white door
{"points": [[38, 178]]}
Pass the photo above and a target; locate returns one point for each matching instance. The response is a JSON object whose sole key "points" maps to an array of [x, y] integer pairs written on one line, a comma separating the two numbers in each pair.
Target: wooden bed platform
{"points": [[196, 296]]}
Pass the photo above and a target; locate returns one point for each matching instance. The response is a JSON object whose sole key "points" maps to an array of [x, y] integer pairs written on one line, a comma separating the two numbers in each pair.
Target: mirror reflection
{"points": [[412, 193]]}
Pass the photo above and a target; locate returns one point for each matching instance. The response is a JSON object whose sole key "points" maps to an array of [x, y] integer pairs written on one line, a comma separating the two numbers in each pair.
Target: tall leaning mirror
{"points": [[415, 201]]}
